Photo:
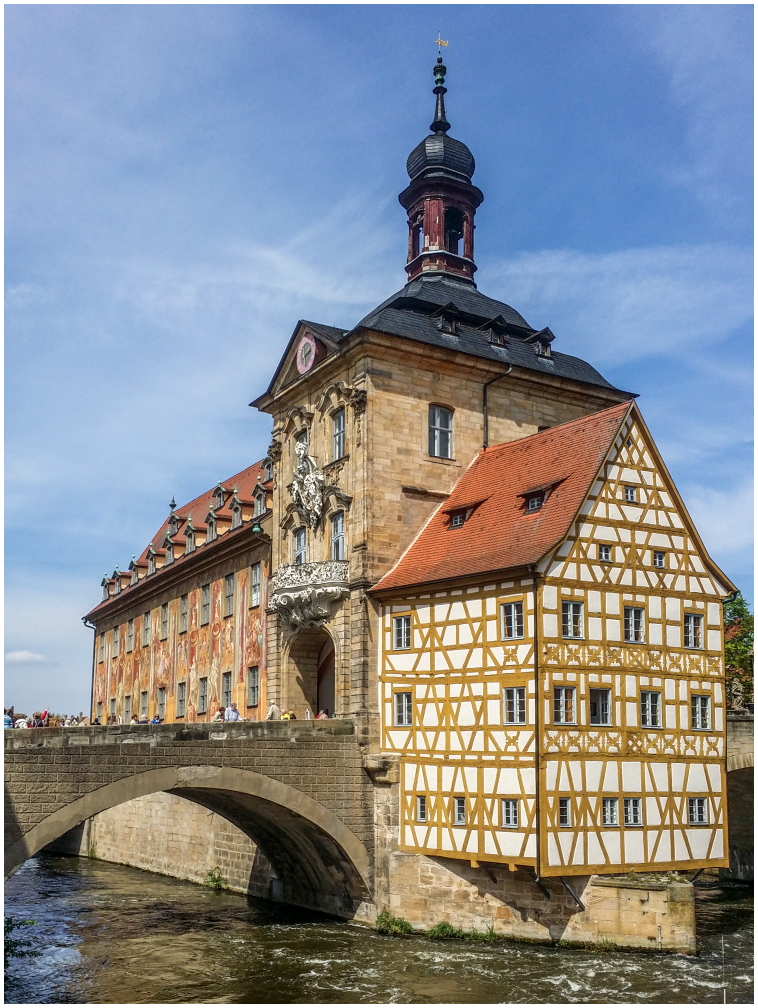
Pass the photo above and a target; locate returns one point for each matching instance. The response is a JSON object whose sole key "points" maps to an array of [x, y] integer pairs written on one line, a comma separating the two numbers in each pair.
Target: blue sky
{"points": [[185, 182]]}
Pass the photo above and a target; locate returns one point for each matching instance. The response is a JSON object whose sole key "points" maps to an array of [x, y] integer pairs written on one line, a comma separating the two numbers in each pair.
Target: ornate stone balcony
{"points": [[304, 595]]}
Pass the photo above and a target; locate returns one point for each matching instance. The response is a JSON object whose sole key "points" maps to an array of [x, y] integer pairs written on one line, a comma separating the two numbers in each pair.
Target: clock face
{"points": [[306, 353]]}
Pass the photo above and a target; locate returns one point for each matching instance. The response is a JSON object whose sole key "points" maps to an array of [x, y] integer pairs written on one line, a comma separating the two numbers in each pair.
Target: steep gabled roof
{"points": [[500, 533]]}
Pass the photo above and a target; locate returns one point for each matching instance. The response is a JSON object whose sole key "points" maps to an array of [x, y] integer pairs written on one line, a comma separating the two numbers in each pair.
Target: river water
{"points": [[108, 934]]}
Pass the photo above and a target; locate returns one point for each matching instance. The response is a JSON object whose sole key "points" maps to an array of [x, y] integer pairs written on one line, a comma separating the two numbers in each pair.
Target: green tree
{"points": [[738, 646]]}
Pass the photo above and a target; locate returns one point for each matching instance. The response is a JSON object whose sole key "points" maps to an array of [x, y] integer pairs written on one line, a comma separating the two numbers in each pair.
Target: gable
{"points": [[308, 346], [634, 530]]}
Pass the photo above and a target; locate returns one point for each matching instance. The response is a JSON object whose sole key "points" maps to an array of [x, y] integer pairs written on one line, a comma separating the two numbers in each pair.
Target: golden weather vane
{"points": [[440, 41]]}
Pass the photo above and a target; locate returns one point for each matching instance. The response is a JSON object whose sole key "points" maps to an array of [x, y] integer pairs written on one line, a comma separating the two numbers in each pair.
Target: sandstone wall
{"points": [[172, 836]]}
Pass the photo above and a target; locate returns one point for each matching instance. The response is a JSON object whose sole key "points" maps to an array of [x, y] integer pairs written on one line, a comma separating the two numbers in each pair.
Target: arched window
{"points": [[338, 536], [440, 432], [190, 548], [259, 507], [453, 229], [300, 546], [236, 514], [211, 534]]}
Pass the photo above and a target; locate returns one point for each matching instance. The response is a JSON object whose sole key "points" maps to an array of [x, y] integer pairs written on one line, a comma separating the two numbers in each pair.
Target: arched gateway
{"points": [[314, 835]]}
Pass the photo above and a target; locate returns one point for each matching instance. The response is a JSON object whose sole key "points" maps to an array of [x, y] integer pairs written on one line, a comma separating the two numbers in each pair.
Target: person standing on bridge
{"points": [[274, 712], [219, 715], [232, 714]]}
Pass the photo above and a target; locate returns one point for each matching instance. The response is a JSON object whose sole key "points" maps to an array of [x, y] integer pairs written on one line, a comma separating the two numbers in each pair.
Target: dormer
{"points": [[211, 523], [116, 581], [448, 319], [190, 534], [236, 508], [133, 571], [105, 583], [495, 330], [168, 546], [173, 521], [268, 470], [259, 498], [151, 555], [541, 342], [219, 496]]}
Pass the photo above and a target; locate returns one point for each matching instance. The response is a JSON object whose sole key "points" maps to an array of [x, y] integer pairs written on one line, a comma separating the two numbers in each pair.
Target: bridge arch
{"points": [[320, 861]]}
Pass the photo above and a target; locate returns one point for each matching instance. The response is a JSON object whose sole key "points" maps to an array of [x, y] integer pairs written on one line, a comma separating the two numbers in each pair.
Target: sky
{"points": [[185, 182]]}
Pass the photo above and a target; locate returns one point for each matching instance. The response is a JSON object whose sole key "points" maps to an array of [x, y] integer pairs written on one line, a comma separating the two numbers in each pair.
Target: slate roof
{"points": [[408, 314], [500, 533]]}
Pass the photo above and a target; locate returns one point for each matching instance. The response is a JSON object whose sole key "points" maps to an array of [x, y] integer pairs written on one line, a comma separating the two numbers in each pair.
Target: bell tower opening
{"points": [[453, 230]]}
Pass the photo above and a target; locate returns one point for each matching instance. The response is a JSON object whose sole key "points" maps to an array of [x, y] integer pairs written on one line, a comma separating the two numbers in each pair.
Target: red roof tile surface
{"points": [[499, 533]]}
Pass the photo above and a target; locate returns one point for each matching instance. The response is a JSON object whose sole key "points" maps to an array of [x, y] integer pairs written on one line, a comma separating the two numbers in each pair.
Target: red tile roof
{"points": [[499, 533]]}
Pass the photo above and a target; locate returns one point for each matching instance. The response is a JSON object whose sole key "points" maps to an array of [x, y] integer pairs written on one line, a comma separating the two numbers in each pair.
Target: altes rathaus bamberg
{"points": [[465, 543]]}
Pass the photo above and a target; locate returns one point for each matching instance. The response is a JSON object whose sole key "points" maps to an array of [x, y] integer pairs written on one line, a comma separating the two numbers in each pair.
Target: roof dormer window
{"points": [[169, 553], [106, 588], [268, 470], [236, 514], [218, 498], [190, 547], [151, 564], [116, 582], [447, 325], [457, 520], [211, 529], [535, 501], [259, 507]]}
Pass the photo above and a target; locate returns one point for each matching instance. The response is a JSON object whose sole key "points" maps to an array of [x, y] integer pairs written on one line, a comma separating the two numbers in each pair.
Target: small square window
{"points": [[459, 811], [564, 705], [572, 614], [650, 709], [401, 633], [420, 808], [457, 520], [509, 813], [632, 811], [659, 559], [564, 811], [701, 711], [698, 809], [604, 553], [534, 502], [630, 494], [610, 811]]}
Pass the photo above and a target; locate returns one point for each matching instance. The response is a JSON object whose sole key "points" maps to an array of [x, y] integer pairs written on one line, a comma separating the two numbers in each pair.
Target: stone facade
{"points": [[740, 795]]}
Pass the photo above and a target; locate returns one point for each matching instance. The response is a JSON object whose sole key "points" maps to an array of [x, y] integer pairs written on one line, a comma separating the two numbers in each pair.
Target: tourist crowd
{"points": [[43, 719]]}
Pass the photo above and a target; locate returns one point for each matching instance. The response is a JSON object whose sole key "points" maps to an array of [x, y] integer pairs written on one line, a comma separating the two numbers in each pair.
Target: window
{"points": [[401, 635], [634, 625], [632, 811], [511, 620], [184, 614], [564, 811], [268, 470], [181, 698], [563, 705], [693, 631], [101, 655], [115, 642], [535, 501], [338, 536], [205, 612], [300, 546], [630, 494], [226, 689], [237, 514], [143, 705], [130, 635], [604, 553], [403, 709], [169, 553], [210, 534], [112, 711], [338, 434], [190, 547], [228, 594], [259, 507], [600, 706], [253, 686], [440, 432], [572, 619], [151, 564], [100, 711], [146, 630], [453, 229], [701, 711], [514, 705], [420, 808], [509, 813], [610, 811], [219, 499], [457, 520], [255, 585], [698, 809], [302, 437], [127, 709], [162, 702], [164, 621], [202, 696], [459, 811], [650, 709], [659, 559]]}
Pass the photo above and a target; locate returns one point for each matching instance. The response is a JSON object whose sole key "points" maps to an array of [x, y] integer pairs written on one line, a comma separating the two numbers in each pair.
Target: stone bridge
{"points": [[297, 789]]}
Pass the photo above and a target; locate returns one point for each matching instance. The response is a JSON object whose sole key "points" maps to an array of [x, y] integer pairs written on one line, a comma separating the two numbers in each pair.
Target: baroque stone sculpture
{"points": [[308, 485]]}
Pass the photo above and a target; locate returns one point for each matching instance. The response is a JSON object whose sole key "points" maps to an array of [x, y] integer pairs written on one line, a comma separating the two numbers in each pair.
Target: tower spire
{"points": [[440, 124]]}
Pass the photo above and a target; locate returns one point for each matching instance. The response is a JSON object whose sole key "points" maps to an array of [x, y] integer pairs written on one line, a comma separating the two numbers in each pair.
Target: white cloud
{"points": [[724, 519], [24, 658], [621, 306]]}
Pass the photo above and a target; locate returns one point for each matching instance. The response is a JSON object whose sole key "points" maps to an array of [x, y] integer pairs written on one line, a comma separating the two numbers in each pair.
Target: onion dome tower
{"points": [[440, 200]]}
